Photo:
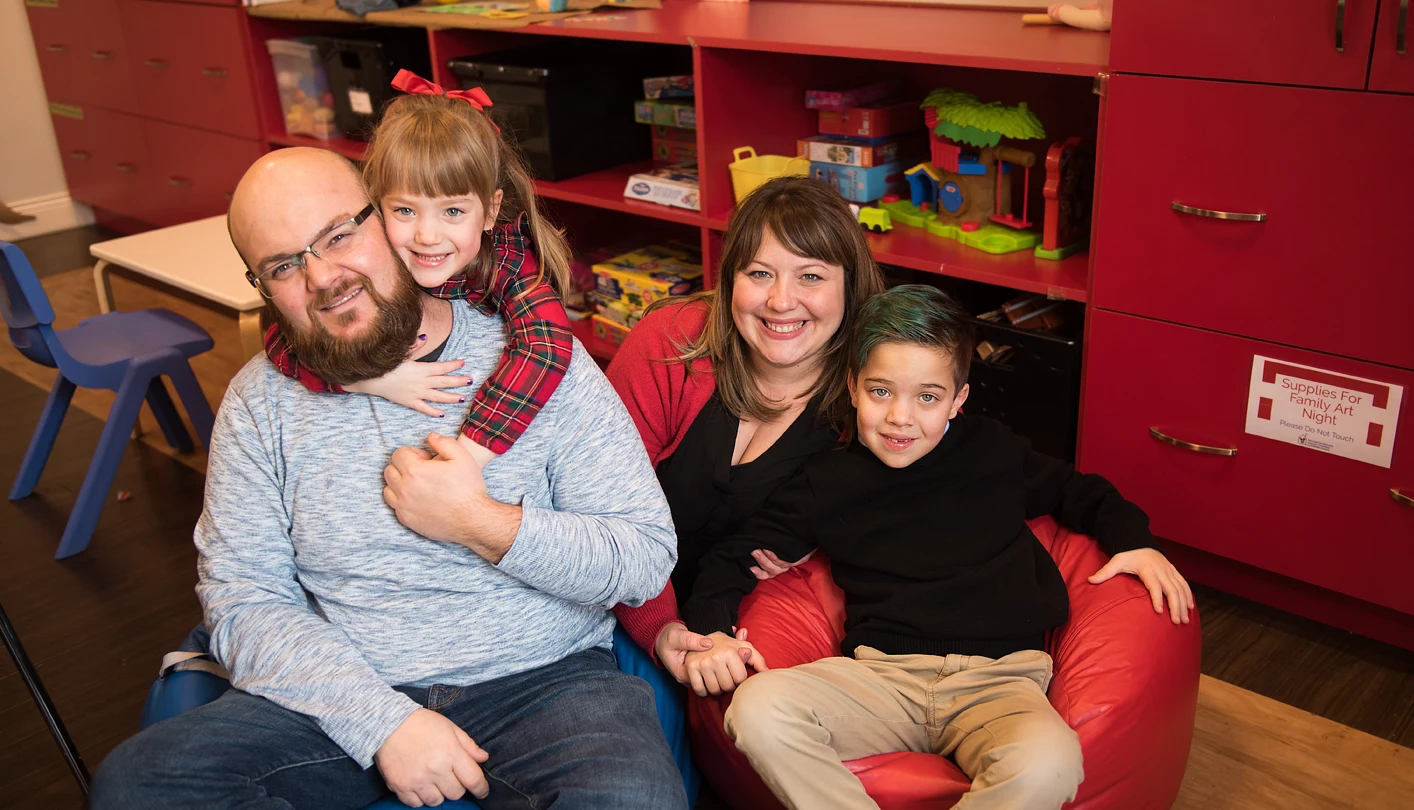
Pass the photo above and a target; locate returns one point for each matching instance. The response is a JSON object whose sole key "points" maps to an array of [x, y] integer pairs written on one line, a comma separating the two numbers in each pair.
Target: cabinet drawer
{"points": [[57, 44], [1390, 70], [1331, 172], [77, 152], [1279, 41], [122, 166], [104, 76], [190, 66], [195, 171], [1320, 518]]}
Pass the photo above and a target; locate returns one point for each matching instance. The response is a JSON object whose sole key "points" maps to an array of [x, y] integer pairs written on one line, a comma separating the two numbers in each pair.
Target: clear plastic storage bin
{"points": [[305, 98]]}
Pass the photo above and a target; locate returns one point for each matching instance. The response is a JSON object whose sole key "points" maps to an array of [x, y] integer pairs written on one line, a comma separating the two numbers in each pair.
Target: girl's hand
{"points": [[413, 382], [1158, 575], [722, 668], [769, 565]]}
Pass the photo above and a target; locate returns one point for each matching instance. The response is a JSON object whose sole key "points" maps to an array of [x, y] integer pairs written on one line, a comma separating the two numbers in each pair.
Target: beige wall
{"points": [[31, 177]]}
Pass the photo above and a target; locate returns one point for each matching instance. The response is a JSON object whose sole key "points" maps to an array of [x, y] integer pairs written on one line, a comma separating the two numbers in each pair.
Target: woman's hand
{"points": [[769, 565], [1158, 575], [722, 668], [414, 382]]}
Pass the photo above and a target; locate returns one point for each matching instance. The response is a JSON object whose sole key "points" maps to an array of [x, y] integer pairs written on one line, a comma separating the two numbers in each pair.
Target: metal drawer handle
{"points": [[213, 71], [1197, 448], [56, 48], [1400, 497], [1340, 26], [126, 167], [104, 55], [1401, 28], [155, 63], [1210, 213], [79, 155], [179, 182]]}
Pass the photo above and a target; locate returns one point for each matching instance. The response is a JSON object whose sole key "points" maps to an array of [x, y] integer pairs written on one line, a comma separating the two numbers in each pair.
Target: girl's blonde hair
{"points": [[434, 146], [811, 220]]}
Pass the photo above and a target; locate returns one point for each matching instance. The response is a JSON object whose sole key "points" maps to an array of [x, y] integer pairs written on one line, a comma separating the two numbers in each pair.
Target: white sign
{"points": [[360, 102], [1324, 411]]}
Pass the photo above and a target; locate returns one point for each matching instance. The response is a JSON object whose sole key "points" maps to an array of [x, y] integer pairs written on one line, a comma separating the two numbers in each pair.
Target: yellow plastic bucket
{"points": [[750, 170]]}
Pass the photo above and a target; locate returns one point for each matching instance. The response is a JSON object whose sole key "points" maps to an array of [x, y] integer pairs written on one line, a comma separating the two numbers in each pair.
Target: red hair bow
{"points": [[410, 82]]}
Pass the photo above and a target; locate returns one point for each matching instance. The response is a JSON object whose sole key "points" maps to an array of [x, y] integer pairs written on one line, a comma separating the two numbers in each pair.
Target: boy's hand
{"points": [[722, 668], [413, 382], [769, 565], [674, 642], [1158, 575]]}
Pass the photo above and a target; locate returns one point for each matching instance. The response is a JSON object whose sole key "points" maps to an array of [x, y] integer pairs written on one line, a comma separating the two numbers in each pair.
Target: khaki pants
{"points": [[798, 725]]}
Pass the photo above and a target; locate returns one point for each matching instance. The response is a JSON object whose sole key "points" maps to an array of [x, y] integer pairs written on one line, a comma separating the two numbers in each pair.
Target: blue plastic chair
{"points": [[124, 352], [184, 690]]}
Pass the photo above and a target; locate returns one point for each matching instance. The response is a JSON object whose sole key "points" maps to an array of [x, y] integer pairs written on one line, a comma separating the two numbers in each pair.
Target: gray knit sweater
{"points": [[318, 599]]}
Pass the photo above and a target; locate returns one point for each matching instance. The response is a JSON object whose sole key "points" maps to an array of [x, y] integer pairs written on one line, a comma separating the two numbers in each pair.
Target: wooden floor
{"points": [[97, 624]]}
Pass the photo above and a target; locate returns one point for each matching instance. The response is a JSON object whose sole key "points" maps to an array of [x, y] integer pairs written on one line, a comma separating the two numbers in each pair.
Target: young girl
{"points": [[459, 208]]}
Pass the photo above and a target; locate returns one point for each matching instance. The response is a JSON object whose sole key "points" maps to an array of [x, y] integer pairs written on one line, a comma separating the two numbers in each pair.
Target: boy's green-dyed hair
{"points": [[919, 315]]}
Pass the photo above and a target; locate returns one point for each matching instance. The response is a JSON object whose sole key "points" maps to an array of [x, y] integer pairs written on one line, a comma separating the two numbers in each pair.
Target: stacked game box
{"points": [[625, 284], [867, 135], [669, 107]]}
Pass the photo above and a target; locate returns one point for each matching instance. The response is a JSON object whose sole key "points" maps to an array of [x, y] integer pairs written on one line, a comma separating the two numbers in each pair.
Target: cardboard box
{"points": [[668, 153], [618, 311], [642, 276], [859, 151], [668, 87], [674, 134], [666, 113], [608, 331], [846, 97], [878, 120], [674, 186], [858, 184]]}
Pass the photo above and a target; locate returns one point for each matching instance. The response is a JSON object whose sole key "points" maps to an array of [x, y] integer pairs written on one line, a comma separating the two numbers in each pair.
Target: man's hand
{"points": [[443, 497], [428, 760], [722, 668], [1158, 575], [674, 642]]}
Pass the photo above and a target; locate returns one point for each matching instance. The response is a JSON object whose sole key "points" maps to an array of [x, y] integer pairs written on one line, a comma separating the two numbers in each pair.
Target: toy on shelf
{"points": [[874, 219], [305, 97], [851, 96], [674, 186], [1069, 192], [857, 183], [750, 170], [1093, 16], [964, 192]]}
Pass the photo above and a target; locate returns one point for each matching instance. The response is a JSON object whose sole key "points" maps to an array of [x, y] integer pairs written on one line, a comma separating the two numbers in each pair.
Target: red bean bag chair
{"points": [[1126, 679]]}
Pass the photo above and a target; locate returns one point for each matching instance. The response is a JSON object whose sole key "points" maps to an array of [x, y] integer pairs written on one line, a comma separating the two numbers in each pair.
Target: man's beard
{"points": [[382, 347]]}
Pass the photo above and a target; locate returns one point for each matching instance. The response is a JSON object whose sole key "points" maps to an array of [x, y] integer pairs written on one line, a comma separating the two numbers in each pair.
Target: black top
{"points": [[710, 498], [933, 558]]}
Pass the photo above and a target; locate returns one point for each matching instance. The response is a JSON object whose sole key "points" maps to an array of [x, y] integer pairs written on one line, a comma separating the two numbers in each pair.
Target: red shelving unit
{"points": [[598, 349], [605, 189]]}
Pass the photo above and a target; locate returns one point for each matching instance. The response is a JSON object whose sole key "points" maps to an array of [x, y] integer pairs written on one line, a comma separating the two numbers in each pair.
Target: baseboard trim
{"points": [[51, 212], [1293, 596]]}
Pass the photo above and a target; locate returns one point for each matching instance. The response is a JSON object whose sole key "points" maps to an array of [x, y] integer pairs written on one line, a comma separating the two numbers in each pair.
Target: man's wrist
{"points": [[490, 527]]}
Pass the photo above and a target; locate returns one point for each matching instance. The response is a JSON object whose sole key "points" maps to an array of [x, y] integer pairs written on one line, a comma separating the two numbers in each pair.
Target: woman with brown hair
{"points": [[731, 390]]}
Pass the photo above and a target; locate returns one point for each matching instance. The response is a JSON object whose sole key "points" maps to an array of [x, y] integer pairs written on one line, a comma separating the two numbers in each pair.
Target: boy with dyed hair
{"points": [[948, 594]]}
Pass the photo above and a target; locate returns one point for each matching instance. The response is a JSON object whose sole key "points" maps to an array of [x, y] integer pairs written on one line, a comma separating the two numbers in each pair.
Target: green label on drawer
{"points": [[66, 110], [42, 3]]}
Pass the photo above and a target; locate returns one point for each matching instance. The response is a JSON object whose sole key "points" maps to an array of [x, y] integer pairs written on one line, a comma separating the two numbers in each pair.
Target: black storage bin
{"points": [[1035, 389], [568, 104], [361, 67]]}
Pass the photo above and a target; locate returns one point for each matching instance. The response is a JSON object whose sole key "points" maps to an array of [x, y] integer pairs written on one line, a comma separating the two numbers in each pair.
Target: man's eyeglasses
{"points": [[284, 272]]}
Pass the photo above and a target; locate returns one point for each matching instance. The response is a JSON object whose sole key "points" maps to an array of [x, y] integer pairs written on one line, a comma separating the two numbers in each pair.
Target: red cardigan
{"points": [[663, 398]]}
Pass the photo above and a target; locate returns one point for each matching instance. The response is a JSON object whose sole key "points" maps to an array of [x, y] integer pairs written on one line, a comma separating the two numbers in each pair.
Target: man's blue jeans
{"points": [[575, 734]]}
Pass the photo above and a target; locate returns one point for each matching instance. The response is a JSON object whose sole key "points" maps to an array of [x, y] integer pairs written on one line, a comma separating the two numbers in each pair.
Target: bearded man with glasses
{"points": [[461, 643]]}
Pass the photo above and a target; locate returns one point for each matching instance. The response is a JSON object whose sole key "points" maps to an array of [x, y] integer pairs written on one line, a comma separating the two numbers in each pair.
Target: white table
{"points": [[197, 257]]}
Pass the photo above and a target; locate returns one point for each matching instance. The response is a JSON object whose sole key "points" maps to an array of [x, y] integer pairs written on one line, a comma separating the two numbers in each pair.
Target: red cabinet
{"points": [[82, 55], [1319, 518], [77, 153], [1392, 63], [194, 172], [1330, 171], [1312, 42], [201, 81]]}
